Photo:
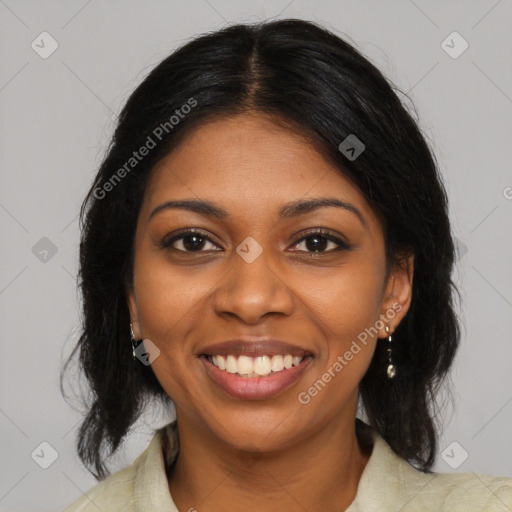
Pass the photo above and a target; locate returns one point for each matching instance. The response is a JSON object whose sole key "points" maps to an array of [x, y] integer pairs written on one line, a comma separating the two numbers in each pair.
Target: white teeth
{"points": [[245, 365], [231, 365], [277, 363], [260, 366]]}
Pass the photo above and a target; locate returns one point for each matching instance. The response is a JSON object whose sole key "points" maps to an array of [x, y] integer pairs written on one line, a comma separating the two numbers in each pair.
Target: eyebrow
{"points": [[289, 210]]}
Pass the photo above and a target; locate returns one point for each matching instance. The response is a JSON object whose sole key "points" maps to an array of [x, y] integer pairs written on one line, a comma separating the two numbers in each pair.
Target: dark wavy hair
{"points": [[315, 83]]}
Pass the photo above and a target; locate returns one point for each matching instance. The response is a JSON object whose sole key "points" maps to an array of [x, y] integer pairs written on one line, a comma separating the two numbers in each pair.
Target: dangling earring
{"points": [[135, 343], [391, 371]]}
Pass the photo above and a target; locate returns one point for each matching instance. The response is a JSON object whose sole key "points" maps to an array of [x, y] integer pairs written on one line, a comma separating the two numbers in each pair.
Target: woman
{"points": [[270, 230]]}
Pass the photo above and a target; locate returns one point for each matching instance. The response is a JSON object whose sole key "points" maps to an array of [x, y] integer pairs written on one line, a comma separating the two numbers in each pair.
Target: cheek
{"points": [[347, 300], [170, 303], [168, 298], [346, 307]]}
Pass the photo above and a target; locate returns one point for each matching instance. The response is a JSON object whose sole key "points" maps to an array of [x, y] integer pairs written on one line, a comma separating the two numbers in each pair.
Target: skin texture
{"points": [[273, 454]]}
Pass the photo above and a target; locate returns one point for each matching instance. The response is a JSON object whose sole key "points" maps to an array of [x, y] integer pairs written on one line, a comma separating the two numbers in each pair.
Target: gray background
{"points": [[58, 114]]}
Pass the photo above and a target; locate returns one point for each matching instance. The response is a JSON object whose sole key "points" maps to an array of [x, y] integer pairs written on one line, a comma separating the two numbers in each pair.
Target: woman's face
{"points": [[255, 272]]}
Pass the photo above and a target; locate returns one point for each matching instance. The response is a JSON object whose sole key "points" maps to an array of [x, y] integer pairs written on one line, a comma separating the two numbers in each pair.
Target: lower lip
{"points": [[254, 388]]}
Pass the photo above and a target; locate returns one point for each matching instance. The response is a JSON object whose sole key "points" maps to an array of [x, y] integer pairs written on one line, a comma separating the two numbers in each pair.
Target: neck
{"points": [[320, 473]]}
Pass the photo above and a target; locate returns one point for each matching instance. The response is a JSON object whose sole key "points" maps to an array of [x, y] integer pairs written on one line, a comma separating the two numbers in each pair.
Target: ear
{"points": [[134, 311], [397, 295]]}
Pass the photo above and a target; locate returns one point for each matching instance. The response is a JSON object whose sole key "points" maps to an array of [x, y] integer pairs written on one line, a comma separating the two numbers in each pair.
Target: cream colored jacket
{"points": [[388, 484]]}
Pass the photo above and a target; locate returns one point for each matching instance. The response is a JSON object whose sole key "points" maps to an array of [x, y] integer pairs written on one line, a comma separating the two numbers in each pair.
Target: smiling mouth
{"points": [[255, 367]]}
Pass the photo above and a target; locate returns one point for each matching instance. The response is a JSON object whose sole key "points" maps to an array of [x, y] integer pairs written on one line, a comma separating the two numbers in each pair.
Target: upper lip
{"points": [[255, 347]]}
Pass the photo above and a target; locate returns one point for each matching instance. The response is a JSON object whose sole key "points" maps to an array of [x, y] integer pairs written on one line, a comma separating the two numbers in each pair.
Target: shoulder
{"points": [[127, 489], [454, 492], [114, 493], [391, 483], [464, 492]]}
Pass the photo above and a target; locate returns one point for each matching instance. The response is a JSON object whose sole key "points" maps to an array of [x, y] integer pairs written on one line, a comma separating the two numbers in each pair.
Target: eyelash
{"points": [[322, 233]]}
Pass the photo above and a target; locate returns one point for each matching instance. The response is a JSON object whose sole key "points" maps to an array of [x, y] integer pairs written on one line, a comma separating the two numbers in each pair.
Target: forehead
{"points": [[249, 164]]}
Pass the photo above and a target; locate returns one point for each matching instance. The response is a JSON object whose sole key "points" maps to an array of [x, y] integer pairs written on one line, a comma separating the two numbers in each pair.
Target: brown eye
{"points": [[190, 240], [318, 241]]}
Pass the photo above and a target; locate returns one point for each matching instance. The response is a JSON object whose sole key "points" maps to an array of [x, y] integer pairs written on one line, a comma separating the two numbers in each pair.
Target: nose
{"points": [[251, 290]]}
